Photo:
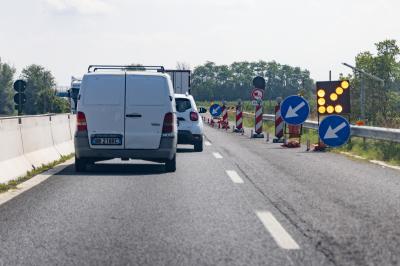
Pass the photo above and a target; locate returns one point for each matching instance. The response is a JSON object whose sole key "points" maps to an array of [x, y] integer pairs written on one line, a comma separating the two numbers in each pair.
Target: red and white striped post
{"points": [[239, 118], [279, 123], [225, 123], [258, 121]]}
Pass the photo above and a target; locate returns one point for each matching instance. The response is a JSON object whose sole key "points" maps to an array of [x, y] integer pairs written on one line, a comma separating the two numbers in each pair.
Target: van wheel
{"points": [[170, 165], [198, 146], [80, 165]]}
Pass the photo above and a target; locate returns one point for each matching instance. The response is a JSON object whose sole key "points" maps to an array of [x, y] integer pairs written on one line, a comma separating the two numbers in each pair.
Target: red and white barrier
{"points": [[239, 119], [258, 125], [259, 121], [279, 123], [225, 123]]}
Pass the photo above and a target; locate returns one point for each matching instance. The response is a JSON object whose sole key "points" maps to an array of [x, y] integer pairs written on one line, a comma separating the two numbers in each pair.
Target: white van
{"points": [[126, 113]]}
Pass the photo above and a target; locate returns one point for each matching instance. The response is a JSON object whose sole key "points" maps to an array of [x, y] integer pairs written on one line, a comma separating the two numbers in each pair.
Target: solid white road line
{"points": [[234, 176], [208, 143], [217, 155], [282, 238]]}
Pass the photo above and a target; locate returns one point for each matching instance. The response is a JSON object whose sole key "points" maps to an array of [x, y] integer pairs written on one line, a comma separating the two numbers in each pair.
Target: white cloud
{"points": [[86, 7]]}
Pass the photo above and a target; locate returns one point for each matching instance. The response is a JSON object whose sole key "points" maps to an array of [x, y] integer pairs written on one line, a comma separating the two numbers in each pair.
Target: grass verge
{"points": [[12, 184]]}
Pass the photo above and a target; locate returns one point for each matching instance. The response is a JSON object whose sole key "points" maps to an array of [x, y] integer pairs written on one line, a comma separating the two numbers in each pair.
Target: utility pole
{"points": [[362, 73]]}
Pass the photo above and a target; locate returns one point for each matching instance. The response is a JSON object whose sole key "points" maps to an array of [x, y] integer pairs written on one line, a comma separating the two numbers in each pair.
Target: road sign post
{"points": [[215, 110], [294, 110], [334, 131], [257, 96], [333, 97]]}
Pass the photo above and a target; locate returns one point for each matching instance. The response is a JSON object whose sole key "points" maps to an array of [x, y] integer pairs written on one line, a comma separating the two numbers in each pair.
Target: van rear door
{"points": [[103, 105], [147, 102]]}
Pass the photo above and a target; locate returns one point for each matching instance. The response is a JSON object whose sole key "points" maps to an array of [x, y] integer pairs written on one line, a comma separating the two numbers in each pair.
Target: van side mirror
{"points": [[202, 110]]}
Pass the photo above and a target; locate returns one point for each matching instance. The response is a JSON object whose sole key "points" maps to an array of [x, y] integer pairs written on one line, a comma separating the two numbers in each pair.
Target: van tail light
{"points": [[81, 122], [194, 116], [169, 123]]}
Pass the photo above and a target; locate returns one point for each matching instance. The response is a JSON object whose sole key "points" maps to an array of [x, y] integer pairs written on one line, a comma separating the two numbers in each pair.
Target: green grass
{"points": [[374, 150], [14, 183]]}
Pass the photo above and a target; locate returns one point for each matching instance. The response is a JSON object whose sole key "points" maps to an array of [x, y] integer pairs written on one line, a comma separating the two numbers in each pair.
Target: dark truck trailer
{"points": [[180, 80]]}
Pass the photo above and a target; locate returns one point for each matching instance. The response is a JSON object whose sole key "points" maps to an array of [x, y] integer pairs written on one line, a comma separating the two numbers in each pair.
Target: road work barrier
{"points": [[258, 122], [239, 119], [279, 124], [28, 142], [225, 123]]}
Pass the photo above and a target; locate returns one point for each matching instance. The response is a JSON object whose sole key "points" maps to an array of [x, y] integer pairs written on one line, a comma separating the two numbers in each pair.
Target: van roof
{"points": [[130, 73]]}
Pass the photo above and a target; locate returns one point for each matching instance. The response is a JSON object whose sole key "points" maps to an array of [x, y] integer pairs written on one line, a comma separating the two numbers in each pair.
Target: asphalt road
{"points": [[240, 202]]}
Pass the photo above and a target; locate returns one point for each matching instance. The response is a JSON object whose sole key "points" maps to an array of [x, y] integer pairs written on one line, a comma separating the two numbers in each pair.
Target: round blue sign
{"points": [[334, 130], [295, 110], [215, 110]]}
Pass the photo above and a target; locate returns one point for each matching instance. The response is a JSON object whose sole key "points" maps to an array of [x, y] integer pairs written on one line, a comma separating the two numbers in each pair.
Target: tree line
{"points": [[40, 91], [233, 82]]}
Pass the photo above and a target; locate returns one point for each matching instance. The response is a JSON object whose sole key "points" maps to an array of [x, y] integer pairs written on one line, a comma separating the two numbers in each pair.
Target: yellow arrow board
{"points": [[333, 97]]}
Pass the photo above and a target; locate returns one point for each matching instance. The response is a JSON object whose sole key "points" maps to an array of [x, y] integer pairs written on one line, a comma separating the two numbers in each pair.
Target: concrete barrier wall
{"points": [[61, 132], [32, 141], [13, 163]]}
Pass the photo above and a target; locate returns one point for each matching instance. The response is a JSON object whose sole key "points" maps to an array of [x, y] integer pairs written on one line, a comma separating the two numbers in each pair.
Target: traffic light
{"points": [[19, 97], [333, 97]]}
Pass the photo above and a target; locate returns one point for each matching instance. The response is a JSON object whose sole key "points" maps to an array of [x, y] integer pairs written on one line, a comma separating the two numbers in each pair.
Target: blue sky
{"points": [[67, 35]]}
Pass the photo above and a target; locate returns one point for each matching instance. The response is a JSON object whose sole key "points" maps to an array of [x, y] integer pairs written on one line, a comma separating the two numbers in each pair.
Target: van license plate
{"points": [[106, 141]]}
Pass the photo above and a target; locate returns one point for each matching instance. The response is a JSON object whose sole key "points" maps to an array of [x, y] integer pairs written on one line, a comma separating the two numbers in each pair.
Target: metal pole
{"points": [[362, 97], [19, 104]]}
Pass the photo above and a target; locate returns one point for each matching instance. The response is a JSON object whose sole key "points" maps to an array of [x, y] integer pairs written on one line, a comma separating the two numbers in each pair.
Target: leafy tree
{"points": [[7, 73], [380, 103], [40, 92]]}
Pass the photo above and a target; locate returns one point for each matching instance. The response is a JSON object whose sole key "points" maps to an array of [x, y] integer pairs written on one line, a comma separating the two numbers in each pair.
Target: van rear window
{"points": [[104, 90], [146, 90]]}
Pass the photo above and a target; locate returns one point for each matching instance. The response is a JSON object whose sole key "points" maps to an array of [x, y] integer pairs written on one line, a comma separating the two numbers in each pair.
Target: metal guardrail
{"points": [[26, 116], [377, 133]]}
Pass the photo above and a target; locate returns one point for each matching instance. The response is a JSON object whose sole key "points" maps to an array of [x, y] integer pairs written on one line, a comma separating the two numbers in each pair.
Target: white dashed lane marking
{"points": [[234, 177], [280, 235], [208, 143], [217, 155]]}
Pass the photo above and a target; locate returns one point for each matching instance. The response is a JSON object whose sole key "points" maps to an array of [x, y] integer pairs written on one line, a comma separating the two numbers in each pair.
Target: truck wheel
{"points": [[198, 146], [170, 165], [80, 165]]}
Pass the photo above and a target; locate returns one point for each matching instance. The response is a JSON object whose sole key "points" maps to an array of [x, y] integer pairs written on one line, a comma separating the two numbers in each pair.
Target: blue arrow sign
{"points": [[334, 130], [215, 110], [295, 110]]}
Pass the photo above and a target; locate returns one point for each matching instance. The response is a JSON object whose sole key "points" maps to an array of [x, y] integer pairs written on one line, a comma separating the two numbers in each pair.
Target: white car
{"points": [[126, 114], [190, 124]]}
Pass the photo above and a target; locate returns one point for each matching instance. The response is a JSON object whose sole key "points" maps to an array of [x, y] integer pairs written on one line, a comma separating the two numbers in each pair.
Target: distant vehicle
{"points": [[74, 92], [126, 114], [180, 80], [190, 125]]}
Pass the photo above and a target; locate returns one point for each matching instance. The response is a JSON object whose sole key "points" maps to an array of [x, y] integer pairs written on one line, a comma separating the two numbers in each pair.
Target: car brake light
{"points": [[194, 116], [81, 122], [169, 121]]}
